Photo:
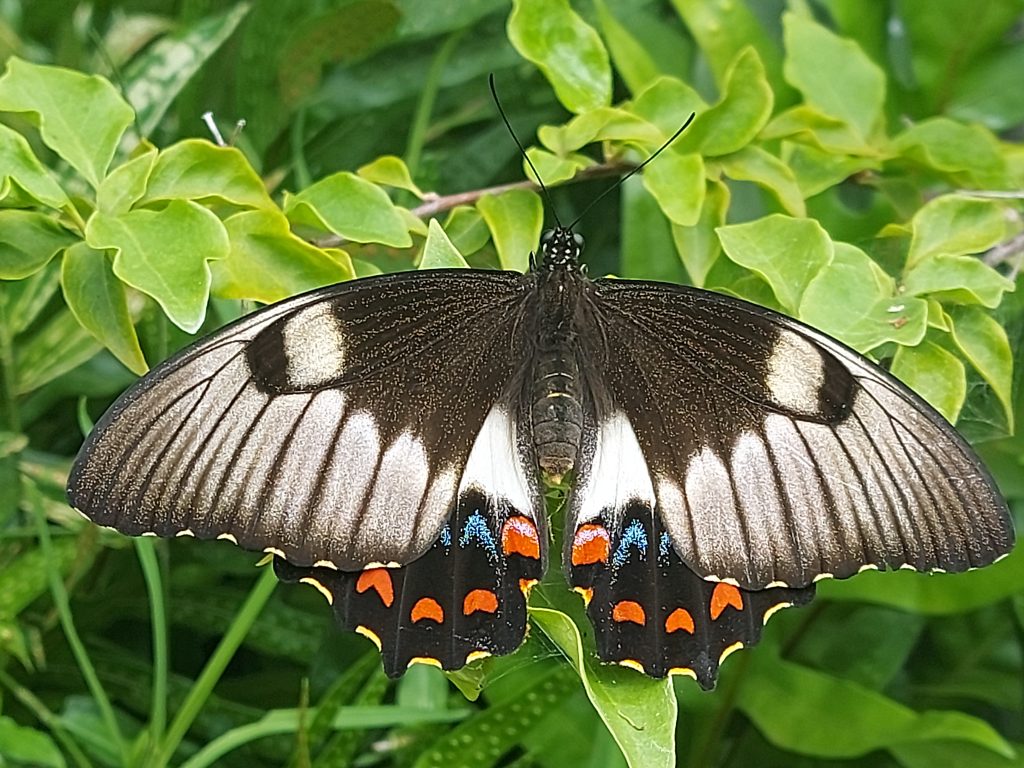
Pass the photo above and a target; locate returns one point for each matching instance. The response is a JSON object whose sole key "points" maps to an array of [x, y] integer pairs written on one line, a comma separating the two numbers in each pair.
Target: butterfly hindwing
{"points": [[774, 455], [653, 613], [330, 429]]}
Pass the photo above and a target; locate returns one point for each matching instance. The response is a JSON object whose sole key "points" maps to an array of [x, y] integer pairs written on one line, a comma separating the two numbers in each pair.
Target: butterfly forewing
{"points": [[333, 428], [773, 454]]}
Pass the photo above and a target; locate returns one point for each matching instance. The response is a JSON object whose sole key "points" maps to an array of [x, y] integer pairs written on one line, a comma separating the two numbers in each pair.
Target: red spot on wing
{"points": [[724, 596], [427, 608], [679, 619], [590, 545], [628, 610], [480, 600], [519, 537], [379, 580]]}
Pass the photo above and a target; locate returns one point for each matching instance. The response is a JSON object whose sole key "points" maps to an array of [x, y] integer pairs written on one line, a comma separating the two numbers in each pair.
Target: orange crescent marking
{"points": [[427, 608], [525, 585], [724, 596], [480, 600], [379, 580], [680, 618], [627, 610], [519, 537], [590, 545]]}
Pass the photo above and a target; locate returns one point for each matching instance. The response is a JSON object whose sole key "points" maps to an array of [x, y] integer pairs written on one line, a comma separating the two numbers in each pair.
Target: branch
{"points": [[1011, 250], [434, 204]]}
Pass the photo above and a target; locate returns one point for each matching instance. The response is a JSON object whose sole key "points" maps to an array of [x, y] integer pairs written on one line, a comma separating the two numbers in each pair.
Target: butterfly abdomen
{"points": [[556, 413]]}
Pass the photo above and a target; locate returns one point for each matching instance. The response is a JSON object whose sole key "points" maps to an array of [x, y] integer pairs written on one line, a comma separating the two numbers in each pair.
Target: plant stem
{"points": [[8, 385], [146, 552], [60, 599], [218, 662], [425, 107]]}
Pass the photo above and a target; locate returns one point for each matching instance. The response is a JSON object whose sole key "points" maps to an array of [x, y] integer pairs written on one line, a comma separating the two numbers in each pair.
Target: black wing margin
{"points": [[777, 455], [331, 429]]}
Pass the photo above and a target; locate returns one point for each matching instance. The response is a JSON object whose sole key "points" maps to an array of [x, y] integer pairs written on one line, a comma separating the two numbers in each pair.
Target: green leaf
{"points": [[195, 169], [783, 698], [935, 374], [786, 252], [698, 246], [816, 170], [741, 113], [566, 49], [19, 166], [58, 346], [970, 154], [466, 229], [988, 93], [552, 168], [482, 740], [667, 103], [97, 299], [646, 250], [81, 117], [28, 240], [267, 262], [602, 124], [677, 183], [640, 712], [390, 171], [833, 74], [27, 746], [125, 185], [164, 254], [810, 124], [932, 594], [853, 299], [953, 225], [438, 251], [962, 279], [156, 77], [351, 207], [723, 29], [984, 343], [631, 59], [515, 219], [766, 170]]}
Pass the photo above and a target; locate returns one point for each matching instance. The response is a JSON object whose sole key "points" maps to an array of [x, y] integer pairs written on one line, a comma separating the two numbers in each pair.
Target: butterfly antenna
{"points": [[636, 170], [522, 150]]}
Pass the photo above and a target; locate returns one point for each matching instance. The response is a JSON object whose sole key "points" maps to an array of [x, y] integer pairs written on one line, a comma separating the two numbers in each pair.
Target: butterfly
{"points": [[388, 440]]}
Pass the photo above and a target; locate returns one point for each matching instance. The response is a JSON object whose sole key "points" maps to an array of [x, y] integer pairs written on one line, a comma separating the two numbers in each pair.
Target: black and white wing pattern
{"points": [[778, 456], [354, 427]]}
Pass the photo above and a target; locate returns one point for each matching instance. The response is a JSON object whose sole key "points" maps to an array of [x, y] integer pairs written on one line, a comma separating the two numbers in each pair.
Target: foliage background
{"points": [[864, 159]]}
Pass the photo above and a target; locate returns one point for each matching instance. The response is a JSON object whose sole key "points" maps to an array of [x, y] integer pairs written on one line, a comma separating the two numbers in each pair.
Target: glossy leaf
{"points": [[126, 184], [81, 117], [833, 74], [28, 240], [566, 49], [267, 262], [954, 225], [984, 343], [98, 301], [515, 219], [390, 171], [163, 254], [26, 746], [438, 251], [699, 246], [968, 153], [198, 170], [854, 300], [351, 207], [786, 252], [640, 712], [19, 166], [963, 279], [935, 374], [766, 170], [677, 183]]}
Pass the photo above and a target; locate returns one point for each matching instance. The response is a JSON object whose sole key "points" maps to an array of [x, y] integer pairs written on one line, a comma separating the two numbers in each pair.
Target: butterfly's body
{"points": [[386, 439]]}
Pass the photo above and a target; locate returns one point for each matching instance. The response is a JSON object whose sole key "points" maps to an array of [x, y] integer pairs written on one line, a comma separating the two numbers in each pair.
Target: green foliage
{"points": [[854, 164]]}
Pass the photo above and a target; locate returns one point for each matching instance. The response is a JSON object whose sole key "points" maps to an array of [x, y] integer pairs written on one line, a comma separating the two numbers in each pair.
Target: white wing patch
{"points": [[314, 345], [618, 473], [495, 467], [796, 374]]}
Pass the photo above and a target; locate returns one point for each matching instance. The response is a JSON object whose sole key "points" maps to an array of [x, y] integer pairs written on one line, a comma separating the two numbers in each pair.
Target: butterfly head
{"points": [[560, 248]]}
